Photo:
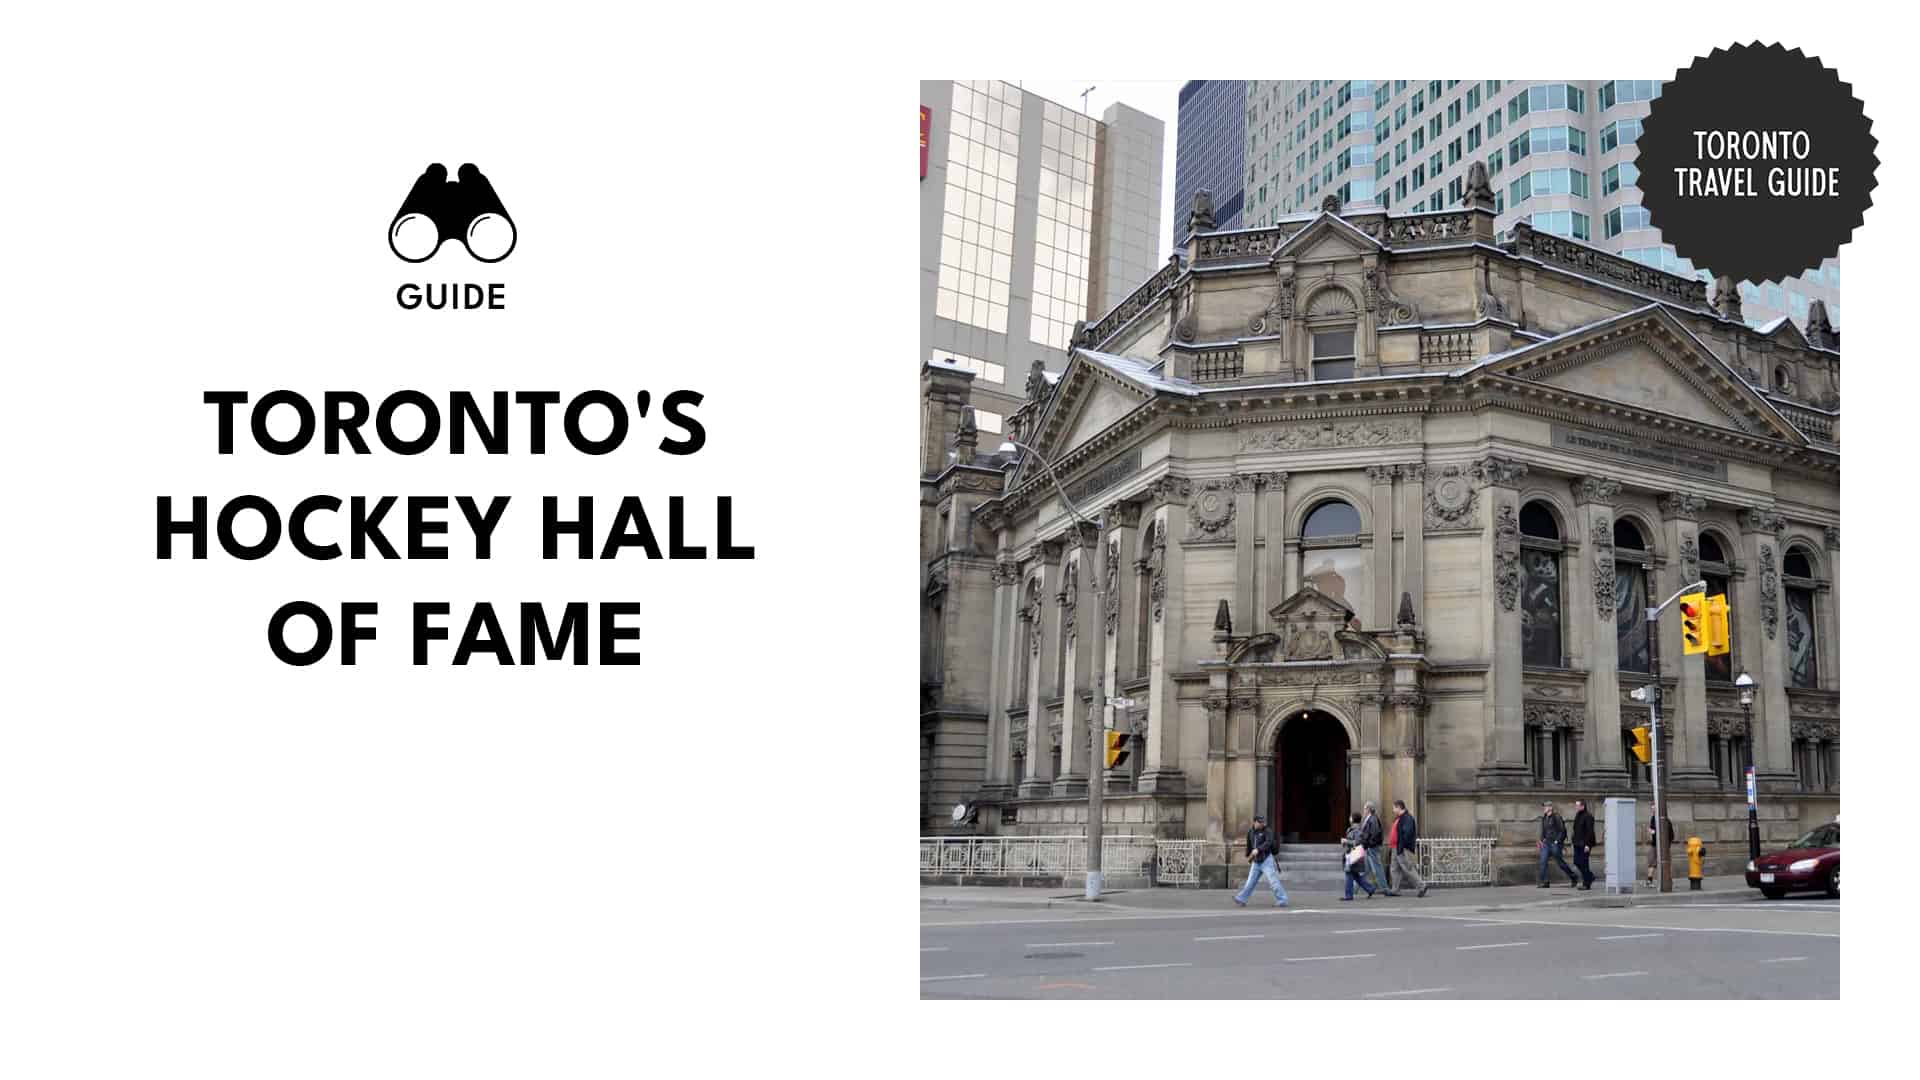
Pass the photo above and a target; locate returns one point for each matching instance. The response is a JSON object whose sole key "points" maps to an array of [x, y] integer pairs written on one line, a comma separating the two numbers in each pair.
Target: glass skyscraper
{"points": [[1210, 152]]}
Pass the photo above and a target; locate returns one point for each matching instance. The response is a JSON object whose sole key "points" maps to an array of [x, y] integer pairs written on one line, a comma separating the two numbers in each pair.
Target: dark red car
{"points": [[1812, 864]]}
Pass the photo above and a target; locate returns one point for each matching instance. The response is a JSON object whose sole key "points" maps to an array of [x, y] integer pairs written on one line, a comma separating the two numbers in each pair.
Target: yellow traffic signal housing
{"points": [[1719, 638], [1693, 623], [1643, 744], [1116, 748]]}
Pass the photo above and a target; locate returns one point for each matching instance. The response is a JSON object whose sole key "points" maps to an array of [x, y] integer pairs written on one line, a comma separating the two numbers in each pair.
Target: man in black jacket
{"points": [[1371, 837], [1583, 841], [1406, 834], [1553, 835], [1260, 850]]}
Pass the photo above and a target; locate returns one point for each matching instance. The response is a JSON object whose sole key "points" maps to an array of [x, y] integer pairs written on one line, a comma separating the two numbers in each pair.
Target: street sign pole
{"points": [[1660, 830]]}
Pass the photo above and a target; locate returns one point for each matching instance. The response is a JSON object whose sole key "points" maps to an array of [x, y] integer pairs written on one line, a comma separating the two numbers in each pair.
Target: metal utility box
{"points": [[1620, 819]]}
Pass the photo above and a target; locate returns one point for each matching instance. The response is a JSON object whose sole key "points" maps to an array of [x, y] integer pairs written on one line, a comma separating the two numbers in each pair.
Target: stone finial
{"points": [[1200, 218], [966, 441], [1820, 331], [1405, 619], [1223, 619], [1082, 336], [1330, 204], [1479, 188], [1036, 381], [1726, 298]]}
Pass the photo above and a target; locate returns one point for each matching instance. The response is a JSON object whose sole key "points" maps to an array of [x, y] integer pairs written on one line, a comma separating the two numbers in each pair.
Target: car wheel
{"points": [[1833, 884], [1773, 894]]}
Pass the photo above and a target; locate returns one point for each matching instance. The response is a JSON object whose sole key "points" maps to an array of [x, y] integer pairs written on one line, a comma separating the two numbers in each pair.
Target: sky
{"points": [[1160, 100]]}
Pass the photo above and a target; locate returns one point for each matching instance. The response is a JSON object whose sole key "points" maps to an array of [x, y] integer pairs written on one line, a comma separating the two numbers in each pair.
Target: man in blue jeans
{"points": [[1553, 835], [1371, 837], [1260, 849]]}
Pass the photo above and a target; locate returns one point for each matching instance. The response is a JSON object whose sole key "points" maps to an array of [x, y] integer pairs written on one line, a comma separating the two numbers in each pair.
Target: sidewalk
{"points": [[1730, 888]]}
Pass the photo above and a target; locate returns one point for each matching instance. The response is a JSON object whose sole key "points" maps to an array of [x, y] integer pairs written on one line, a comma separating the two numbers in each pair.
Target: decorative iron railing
{"points": [[1034, 856], [1178, 862], [1450, 860]]}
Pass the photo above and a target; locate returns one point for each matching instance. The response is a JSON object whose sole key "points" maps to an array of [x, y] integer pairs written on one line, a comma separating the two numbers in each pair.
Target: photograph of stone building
{"points": [[1370, 506]]}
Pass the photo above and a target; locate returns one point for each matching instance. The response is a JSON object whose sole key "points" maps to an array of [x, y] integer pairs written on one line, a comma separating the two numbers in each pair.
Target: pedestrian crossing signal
{"points": [[1116, 748], [1643, 744], [1719, 639], [1693, 623]]}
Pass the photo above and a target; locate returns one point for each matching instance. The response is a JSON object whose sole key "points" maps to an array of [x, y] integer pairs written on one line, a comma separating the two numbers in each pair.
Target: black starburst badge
{"points": [[1757, 161]]}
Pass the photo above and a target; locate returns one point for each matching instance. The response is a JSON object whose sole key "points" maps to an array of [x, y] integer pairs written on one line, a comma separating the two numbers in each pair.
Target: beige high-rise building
{"points": [[1033, 217]]}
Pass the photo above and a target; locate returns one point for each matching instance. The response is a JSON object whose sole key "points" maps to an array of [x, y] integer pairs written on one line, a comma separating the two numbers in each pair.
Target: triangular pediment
{"points": [[1095, 391], [1103, 403], [1646, 360], [1326, 237]]}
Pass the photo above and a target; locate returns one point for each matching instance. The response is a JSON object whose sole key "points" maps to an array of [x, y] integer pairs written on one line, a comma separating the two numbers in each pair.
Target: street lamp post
{"points": [[1745, 685], [1096, 720]]}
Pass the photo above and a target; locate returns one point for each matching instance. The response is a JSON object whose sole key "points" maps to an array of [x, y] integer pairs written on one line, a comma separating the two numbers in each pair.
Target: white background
{"points": [[215, 865]]}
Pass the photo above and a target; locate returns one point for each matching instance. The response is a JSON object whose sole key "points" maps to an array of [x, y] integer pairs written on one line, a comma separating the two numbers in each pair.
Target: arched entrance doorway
{"points": [[1310, 781]]}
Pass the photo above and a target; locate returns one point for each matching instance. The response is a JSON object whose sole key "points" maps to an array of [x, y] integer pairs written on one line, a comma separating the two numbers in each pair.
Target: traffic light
{"points": [[1719, 641], [1643, 744], [1693, 623], [1116, 748]]}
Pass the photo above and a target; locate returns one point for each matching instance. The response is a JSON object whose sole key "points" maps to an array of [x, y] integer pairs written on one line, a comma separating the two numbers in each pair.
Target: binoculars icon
{"points": [[437, 210]]}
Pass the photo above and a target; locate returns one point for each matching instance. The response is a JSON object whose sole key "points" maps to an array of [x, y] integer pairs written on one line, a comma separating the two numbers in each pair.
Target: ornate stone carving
{"points": [[1380, 474], [1405, 699], [1542, 714], [1763, 521], [1216, 705], [1726, 299], [1405, 620], [1317, 677], [1682, 506], [1211, 510], [1270, 481], [1388, 309], [1170, 489], [1595, 489], [1200, 217], [1451, 500], [1689, 560], [1726, 726], [1112, 605], [1414, 472], [1498, 472], [1603, 569], [1506, 555], [1330, 204], [1182, 312], [1006, 572], [1530, 243], [1769, 591], [1833, 538], [1815, 730], [1142, 298], [1268, 321], [1121, 515], [1328, 434], [1032, 616], [1069, 599], [1157, 570], [1479, 187]]}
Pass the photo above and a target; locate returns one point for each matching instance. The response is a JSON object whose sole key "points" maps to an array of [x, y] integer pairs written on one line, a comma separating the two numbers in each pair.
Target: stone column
{"points": [[1412, 517], [1166, 566], [1384, 596], [1763, 641], [1218, 824], [1505, 760], [1273, 520], [1123, 526], [1595, 612], [1006, 603], [1242, 762], [1076, 616], [1242, 528], [1687, 712], [1828, 643], [1038, 782]]}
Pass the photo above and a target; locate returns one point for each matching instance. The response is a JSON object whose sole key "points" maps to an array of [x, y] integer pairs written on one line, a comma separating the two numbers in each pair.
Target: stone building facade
{"points": [[1373, 507]]}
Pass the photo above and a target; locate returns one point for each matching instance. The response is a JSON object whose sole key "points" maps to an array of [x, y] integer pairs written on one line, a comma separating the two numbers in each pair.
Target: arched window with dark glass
{"points": [[1541, 625], [1717, 571], [1331, 559], [1803, 662], [1630, 597]]}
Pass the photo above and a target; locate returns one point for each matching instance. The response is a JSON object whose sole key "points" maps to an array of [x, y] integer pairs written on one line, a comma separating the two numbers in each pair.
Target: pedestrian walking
{"points": [[1553, 837], [1654, 854], [1260, 864], [1371, 837], [1583, 840], [1406, 851], [1356, 867]]}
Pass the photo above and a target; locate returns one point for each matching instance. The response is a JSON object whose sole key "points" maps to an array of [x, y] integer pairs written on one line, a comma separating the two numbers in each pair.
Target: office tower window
{"points": [[1562, 223], [986, 369], [976, 232], [1622, 218], [1625, 174], [1619, 133], [1613, 93]]}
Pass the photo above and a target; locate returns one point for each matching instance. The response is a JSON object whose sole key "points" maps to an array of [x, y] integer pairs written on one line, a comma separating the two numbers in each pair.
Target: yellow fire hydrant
{"points": [[1696, 856]]}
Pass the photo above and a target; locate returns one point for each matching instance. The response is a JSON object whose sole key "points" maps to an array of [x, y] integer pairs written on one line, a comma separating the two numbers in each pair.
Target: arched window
{"points": [[1331, 559], [1540, 588], [1803, 665], [1717, 570], [1630, 597], [1780, 380]]}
